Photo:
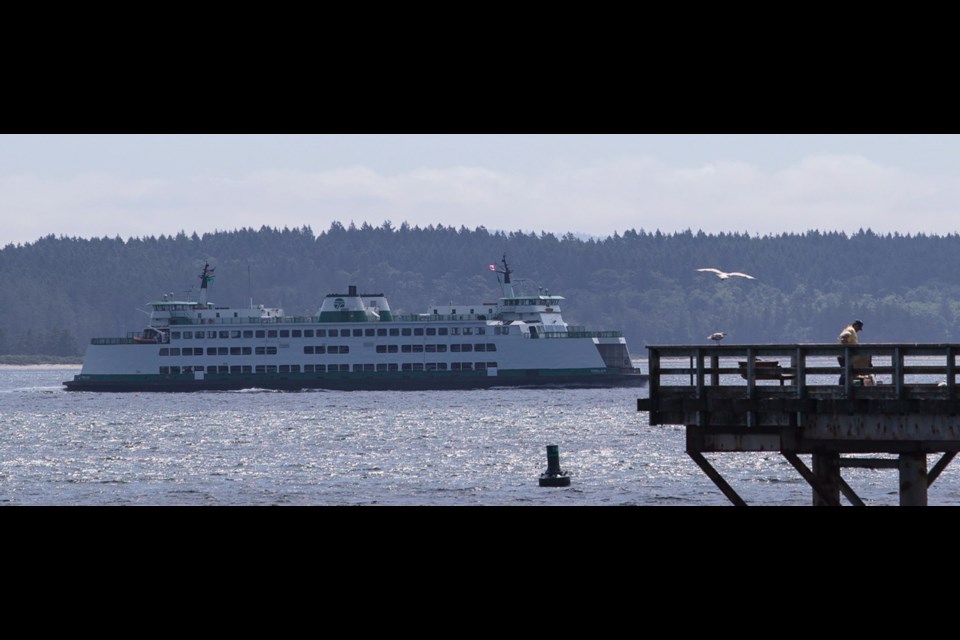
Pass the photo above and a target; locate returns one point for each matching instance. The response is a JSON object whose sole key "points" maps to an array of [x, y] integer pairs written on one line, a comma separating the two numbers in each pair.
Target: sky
{"points": [[138, 185]]}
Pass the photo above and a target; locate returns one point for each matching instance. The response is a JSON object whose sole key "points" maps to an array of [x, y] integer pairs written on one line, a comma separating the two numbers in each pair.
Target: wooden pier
{"points": [[817, 399]]}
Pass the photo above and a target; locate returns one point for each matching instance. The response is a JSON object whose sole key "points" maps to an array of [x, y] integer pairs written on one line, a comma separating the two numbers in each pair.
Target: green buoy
{"points": [[553, 476]]}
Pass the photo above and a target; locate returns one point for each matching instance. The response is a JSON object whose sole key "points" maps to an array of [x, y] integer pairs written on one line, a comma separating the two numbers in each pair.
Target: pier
{"points": [[879, 406]]}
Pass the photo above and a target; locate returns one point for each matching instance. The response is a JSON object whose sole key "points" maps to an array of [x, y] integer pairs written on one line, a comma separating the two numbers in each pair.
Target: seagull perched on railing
{"points": [[718, 336], [723, 275]]}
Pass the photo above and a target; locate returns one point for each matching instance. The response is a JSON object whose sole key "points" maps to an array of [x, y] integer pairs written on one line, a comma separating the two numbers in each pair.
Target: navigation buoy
{"points": [[553, 476]]}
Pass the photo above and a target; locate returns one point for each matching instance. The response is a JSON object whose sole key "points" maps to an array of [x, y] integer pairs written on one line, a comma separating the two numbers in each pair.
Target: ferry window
{"points": [[404, 348], [320, 368], [344, 349], [344, 367], [211, 334], [431, 331], [261, 333], [491, 365], [221, 351], [247, 351], [368, 333], [418, 366], [368, 367], [211, 351], [164, 369], [441, 348], [491, 346], [271, 368], [418, 332], [442, 366], [174, 335], [224, 334], [358, 333], [261, 368], [294, 368], [442, 331], [418, 348], [199, 335], [467, 331], [453, 311], [235, 333], [406, 366], [187, 335], [431, 348], [235, 351], [284, 368], [392, 366], [271, 333], [218, 314], [394, 332], [455, 366], [332, 333], [296, 333], [391, 348], [235, 368], [454, 331], [308, 349], [466, 347], [381, 348], [308, 368], [248, 333], [381, 367], [406, 332], [479, 365], [174, 351], [284, 333], [236, 315], [481, 331], [247, 368], [271, 351], [466, 366], [381, 332], [186, 351], [431, 366], [223, 369], [320, 349], [308, 333], [455, 348], [261, 351], [198, 368], [480, 347]]}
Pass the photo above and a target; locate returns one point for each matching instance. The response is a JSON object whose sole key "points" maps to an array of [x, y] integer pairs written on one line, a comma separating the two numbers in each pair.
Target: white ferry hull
{"points": [[356, 342]]}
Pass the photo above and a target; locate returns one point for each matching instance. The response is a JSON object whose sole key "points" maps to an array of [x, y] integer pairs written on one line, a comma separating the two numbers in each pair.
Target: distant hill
{"points": [[59, 292]]}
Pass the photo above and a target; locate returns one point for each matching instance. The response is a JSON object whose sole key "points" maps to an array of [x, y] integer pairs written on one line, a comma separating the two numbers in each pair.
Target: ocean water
{"points": [[449, 448]]}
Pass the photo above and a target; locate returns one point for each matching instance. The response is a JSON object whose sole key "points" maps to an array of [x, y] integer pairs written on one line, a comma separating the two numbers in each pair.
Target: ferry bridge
{"points": [[810, 399]]}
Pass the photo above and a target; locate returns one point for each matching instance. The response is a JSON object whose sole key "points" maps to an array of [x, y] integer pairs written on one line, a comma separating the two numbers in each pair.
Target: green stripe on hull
{"points": [[373, 380]]}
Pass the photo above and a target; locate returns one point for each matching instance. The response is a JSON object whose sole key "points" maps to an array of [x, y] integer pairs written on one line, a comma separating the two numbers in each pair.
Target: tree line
{"points": [[59, 292]]}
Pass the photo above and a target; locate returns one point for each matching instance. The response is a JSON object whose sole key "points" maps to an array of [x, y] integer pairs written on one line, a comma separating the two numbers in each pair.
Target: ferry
{"points": [[355, 342]]}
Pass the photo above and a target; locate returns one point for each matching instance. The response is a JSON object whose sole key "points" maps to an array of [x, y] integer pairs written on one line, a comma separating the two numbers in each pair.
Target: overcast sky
{"points": [[148, 185]]}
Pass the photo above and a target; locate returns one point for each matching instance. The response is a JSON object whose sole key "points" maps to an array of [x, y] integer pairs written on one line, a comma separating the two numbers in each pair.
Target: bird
{"points": [[724, 275], [718, 336]]}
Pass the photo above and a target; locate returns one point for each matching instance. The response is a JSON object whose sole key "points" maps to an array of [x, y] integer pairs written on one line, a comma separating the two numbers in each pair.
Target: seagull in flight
{"points": [[718, 336], [724, 275]]}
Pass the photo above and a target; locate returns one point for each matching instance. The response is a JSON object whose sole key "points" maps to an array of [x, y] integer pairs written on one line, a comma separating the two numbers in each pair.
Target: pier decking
{"points": [[790, 399]]}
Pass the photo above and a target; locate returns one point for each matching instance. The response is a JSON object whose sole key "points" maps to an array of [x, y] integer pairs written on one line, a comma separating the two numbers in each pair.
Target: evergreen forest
{"points": [[60, 292]]}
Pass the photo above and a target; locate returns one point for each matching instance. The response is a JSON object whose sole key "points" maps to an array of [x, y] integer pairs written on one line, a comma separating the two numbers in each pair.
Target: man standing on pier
{"points": [[859, 364]]}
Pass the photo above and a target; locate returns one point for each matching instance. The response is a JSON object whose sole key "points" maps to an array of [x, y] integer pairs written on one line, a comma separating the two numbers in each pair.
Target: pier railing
{"points": [[897, 369]]}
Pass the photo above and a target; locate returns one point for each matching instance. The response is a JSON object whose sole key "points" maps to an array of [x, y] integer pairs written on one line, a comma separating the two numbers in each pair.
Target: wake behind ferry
{"points": [[354, 343]]}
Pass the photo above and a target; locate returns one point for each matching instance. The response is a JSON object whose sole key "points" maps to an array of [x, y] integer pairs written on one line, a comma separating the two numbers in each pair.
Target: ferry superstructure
{"points": [[355, 342]]}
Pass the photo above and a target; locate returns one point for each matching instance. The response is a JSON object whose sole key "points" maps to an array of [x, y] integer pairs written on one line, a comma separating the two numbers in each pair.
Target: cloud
{"points": [[827, 192]]}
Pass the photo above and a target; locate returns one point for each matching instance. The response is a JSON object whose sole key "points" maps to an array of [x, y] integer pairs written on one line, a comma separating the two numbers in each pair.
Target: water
{"points": [[484, 447]]}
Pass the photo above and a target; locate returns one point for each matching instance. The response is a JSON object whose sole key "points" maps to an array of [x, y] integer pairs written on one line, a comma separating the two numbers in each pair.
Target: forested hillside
{"points": [[59, 292]]}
